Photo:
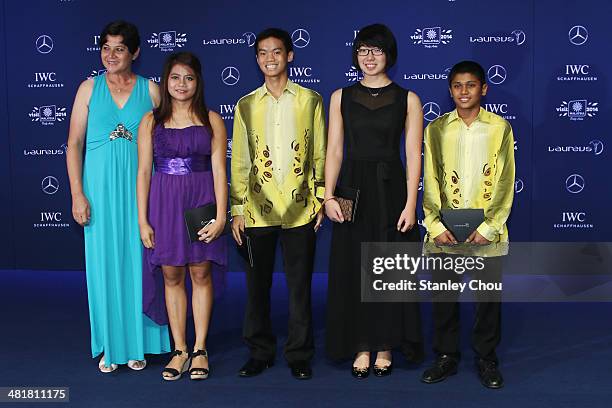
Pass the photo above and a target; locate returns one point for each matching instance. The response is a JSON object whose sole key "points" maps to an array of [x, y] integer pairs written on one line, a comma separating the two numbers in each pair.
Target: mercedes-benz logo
{"points": [[50, 185], [230, 76], [574, 183], [250, 38], [431, 111], [300, 38], [519, 35], [44, 44], [518, 185], [598, 146], [578, 35], [496, 74]]}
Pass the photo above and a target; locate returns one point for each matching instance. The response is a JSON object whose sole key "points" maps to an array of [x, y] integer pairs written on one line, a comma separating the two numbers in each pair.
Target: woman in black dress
{"points": [[366, 123]]}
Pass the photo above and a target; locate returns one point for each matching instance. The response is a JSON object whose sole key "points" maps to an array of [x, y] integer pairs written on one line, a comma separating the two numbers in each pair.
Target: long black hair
{"points": [[198, 103]]}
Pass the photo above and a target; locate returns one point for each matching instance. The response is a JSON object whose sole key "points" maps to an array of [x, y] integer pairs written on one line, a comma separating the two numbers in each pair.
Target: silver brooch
{"points": [[121, 131]]}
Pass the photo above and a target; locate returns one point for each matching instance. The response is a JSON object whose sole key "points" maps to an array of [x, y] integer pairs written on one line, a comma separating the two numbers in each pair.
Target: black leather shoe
{"points": [[489, 374], [444, 367], [301, 370], [254, 367], [382, 371]]}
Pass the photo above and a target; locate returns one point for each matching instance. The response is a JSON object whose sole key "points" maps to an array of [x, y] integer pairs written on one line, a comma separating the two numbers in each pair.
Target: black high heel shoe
{"points": [[196, 373], [174, 373]]}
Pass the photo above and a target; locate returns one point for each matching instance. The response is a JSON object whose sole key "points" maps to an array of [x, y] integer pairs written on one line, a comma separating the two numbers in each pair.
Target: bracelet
{"points": [[328, 199]]}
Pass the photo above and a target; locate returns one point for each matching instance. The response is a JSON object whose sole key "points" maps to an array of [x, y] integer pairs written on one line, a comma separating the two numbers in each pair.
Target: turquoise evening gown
{"points": [[113, 251]]}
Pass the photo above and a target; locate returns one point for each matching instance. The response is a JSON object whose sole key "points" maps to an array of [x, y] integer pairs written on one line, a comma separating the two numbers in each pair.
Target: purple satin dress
{"points": [[182, 179]]}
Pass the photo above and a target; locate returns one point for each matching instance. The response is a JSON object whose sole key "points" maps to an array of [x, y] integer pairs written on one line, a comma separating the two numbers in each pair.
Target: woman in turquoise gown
{"points": [[104, 123]]}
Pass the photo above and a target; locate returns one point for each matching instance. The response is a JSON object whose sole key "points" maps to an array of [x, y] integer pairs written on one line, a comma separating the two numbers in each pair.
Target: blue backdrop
{"points": [[547, 61]]}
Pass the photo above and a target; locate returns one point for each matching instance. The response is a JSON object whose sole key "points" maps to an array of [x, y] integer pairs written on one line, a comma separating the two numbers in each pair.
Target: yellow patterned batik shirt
{"points": [[469, 167], [278, 157]]}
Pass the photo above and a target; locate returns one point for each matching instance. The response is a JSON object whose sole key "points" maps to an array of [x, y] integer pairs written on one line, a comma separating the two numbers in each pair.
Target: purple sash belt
{"points": [[181, 166]]}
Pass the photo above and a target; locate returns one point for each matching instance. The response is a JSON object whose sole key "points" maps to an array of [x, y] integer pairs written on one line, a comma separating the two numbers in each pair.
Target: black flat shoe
{"points": [[383, 371], [360, 372], [444, 367], [489, 374], [198, 373], [254, 367], [301, 370]]}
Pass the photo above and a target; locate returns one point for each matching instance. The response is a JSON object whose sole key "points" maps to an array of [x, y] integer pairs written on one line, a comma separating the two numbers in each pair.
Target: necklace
{"points": [[373, 94], [117, 88]]}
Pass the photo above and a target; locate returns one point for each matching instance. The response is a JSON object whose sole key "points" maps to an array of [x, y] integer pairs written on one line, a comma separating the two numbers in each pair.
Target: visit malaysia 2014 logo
{"points": [[432, 37], [167, 41]]}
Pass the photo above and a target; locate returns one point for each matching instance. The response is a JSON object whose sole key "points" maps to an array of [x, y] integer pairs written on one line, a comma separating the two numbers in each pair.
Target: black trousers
{"points": [[486, 331], [298, 248]]}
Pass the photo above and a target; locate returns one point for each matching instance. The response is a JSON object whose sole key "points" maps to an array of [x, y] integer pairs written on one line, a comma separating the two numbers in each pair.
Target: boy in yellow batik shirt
{"points": [[277, 171], [468, 163]]}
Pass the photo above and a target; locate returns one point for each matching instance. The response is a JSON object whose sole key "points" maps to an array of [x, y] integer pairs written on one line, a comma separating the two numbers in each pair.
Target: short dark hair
{"points": [[275, 33], [467, 67], [128, 31], [376, 35]]}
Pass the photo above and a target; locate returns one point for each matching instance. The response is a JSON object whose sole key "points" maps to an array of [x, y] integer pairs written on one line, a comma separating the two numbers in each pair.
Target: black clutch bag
{"points": [[198, 218], [347, 198]]}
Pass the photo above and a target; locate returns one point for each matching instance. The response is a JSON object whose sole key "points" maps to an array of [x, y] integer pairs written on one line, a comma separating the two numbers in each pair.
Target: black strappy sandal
{"points": [[196, 373], [174, 373]]}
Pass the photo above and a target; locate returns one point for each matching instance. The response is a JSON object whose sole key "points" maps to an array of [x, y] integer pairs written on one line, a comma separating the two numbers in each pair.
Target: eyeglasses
{"points": [[363, 52]]}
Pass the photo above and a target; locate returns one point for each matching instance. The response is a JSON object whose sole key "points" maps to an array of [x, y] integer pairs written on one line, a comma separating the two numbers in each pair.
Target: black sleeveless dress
{"points": [[373, 127]]}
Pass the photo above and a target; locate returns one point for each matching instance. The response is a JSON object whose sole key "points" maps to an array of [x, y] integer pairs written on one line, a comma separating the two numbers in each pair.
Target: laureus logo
{"points": [[516, 37], [519, 185], [247, 39], [595, 147]]}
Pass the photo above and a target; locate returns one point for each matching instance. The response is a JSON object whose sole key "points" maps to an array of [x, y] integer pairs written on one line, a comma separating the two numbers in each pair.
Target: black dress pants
{"points": [[298, 248], [486, 331]]}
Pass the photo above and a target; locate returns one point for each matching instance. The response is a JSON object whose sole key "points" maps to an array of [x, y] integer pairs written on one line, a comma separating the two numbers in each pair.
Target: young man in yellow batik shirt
{"points": [[468, 163], [277, 171]]}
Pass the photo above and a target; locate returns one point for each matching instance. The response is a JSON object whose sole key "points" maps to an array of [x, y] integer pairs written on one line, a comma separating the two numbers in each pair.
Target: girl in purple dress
{"points": [[186, 145]]}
